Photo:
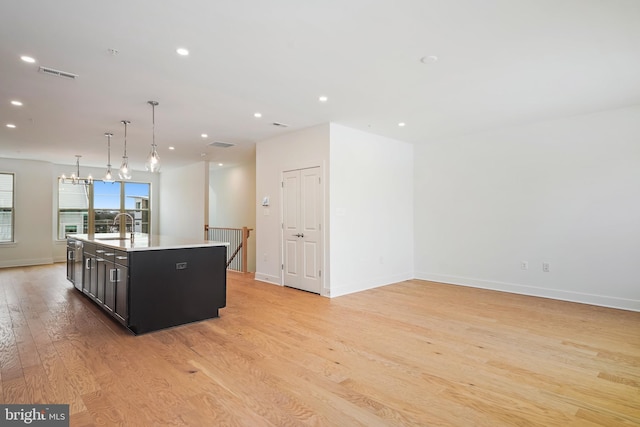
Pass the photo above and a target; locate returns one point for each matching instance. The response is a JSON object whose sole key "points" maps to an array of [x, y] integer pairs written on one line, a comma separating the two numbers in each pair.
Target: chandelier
{"points": [[75, 176]]}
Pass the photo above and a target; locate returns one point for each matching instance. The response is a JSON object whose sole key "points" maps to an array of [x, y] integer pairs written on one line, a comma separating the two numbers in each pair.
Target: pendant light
{"points": [[153, 160], [75, 176], [108, 177], [124, 172]]}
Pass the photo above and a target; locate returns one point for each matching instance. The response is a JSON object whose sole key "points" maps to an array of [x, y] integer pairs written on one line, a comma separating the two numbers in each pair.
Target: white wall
{"points": [[564, 192], [232, 195], [33, 232], [371, 210], [295, 150], [183, 201]]}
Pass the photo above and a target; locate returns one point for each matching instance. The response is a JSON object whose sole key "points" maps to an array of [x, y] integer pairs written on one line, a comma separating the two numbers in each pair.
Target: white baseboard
{"points": [[267, 278], [25, 262], [351, 288], [558, 294]]}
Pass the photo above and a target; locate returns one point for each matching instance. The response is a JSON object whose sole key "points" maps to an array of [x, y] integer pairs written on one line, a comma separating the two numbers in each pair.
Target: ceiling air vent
{"points": [[281, 125], [57, 73], [221, 144]]}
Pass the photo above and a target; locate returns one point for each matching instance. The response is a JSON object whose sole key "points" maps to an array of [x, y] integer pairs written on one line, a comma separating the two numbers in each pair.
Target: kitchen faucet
{"points": [[125, 222]]}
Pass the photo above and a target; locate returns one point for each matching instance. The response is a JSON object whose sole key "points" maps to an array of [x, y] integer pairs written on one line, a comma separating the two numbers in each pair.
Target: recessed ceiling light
{"points": [[28, 59], [182, 51], [401, 124], [204, 135], [11, 125], [257, 115], [220, 164], [172, 148], [16, 103], [323, 99]]}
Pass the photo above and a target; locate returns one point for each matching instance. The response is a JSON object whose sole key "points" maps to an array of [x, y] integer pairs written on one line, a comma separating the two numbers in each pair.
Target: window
{"points": [[73, 208], [92, 208], [6, 207], [136, 203], [106, 205]]}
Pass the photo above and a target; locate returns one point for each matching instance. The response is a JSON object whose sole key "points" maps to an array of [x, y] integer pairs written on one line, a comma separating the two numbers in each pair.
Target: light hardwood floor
{"points": [[410, 354]]}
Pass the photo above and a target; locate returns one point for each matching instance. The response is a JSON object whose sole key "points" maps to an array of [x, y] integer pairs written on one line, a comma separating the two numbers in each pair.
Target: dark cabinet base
{"points": [[157, 289], [175, 286]]}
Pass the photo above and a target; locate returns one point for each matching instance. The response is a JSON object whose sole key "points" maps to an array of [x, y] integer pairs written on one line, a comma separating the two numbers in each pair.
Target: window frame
{"points": [[60, 210], [11, 209], [91, 210]]}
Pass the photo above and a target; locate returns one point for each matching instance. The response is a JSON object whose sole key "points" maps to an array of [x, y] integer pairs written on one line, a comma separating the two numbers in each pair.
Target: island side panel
{"points": [[172, 287]]}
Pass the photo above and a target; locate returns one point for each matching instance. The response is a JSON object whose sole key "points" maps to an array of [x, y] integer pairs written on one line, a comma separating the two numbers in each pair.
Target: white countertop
{"points": [[145, 242]]}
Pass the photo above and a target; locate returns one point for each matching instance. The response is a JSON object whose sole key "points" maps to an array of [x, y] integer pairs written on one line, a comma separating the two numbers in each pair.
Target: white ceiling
{"points": [[501, 63]]}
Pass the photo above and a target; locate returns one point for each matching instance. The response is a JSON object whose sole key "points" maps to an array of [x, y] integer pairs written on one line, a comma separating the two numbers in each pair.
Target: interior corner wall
{"points": [[562, 192], [232, 195], [182, 201], [295, 150], [371, 210]]}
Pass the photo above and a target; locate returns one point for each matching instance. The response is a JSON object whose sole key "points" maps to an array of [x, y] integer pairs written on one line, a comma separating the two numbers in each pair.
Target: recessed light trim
{"points": [[16, 103], [28, 59], [182, 51], [11, 126], [257, 115]]}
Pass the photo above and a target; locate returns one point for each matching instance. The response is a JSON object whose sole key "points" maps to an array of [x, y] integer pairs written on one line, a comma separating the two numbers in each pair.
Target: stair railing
{"points": [[237, 238]]}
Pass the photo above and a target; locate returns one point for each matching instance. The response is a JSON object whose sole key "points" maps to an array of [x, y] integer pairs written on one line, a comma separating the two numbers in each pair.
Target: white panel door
{"points": [[302, 226]]}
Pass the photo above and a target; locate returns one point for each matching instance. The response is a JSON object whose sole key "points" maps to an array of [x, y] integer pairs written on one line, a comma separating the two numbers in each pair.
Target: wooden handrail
{"points": [[243, 244]]}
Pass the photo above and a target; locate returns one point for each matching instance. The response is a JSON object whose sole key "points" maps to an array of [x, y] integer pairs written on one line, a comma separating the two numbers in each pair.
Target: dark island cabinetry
{"points": [[147, 286]]}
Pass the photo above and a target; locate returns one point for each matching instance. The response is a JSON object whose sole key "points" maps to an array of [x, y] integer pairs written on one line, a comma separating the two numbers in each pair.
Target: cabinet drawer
{"points": [[108, 254], [121, 258]]}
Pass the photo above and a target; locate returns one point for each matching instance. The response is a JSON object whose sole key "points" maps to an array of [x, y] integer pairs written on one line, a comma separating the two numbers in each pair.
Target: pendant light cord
{"points": [[125, 137], [153, 121]]}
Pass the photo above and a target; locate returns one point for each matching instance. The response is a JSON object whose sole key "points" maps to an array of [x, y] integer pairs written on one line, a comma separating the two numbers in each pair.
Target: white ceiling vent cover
{"points": [[57, 73], [221, 144]]}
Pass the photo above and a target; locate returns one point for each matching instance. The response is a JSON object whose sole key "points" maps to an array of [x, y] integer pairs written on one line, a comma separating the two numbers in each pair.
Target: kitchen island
{"points": [[150, 283]]}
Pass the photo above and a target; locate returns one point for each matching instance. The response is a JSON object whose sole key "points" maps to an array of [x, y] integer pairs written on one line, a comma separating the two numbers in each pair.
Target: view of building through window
{"points": [[6, 207], [82, 206]]}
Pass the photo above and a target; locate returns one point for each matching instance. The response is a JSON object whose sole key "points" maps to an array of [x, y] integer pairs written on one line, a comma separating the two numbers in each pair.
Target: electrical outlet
{"points": [[545, 267], [524, 265]]}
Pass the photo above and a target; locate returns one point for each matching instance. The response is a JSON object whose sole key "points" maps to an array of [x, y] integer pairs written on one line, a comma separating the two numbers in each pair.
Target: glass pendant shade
{"points": [[108, 176], [153, 159], [125, 172]]}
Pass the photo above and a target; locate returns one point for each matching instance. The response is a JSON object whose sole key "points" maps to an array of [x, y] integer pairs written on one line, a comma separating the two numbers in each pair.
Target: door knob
{"points": [[299, 235]]}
